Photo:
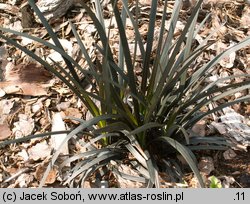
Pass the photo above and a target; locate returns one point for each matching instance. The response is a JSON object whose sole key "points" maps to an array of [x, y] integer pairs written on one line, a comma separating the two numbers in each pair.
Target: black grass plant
{"points": [[147, 118]]}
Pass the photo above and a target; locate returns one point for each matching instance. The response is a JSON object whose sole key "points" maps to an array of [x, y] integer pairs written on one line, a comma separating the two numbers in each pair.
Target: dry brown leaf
{"points": [[23, 155], [86, 184], [200, 128], [11, 170], [227, 62], [144, 2], [5, 131], [24, 180], [39, 151], [40, 172], [9, 8], [227, 181], [206, 165], [30, 79], [5, 108], [62, 90], [214, 2], [245, 19], [194, 183], [24, 126], [229, 154], [30, 73], [248, 109], [63, 106], [36, 107], [238, 72], [73, 112], [57, 57]]}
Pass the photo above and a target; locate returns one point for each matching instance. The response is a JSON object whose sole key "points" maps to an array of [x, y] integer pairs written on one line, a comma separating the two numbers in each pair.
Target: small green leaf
{"points": [[214, 182]]}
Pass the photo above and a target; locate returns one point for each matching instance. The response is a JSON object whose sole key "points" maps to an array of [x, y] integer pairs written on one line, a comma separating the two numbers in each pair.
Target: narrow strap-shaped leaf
{"points": [[201, 71], [157, 71], [121, 54], [167, 89], [87, 173], [187, 50], [137, 155], [129, 177], [128, 60], [208, 147], [180, 40], [140, 132], [83, 96], [53, 36], [123, 109], [102, 35], [169, 64], [136, 28], [99, 12], [186, 154], [145, 127], [83, 49], [70, 135], [174, 128], [150, 40], [113, 127], [153, 171], [102, 136], [29, 137], [216, 140], [180, 67], [114, 65], [195, 119], [81, 156], [170, 36], [106, 157], [78, 86], [140, 168], [50, 45], [210, 90], [209, 100]]}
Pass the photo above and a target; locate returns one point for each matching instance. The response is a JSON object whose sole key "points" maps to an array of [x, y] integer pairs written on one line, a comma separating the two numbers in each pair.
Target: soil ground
{"points": [[238, 168]]}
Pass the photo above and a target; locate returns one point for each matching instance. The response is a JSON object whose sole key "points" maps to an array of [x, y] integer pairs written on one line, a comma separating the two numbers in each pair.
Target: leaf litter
{"points": [[29, 105]]}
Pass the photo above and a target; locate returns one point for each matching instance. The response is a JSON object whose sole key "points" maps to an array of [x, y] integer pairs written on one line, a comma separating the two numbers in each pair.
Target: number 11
{"points": [[240, 196]]}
